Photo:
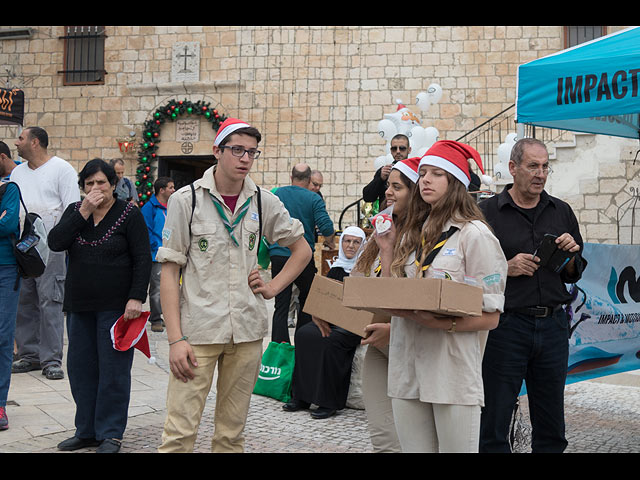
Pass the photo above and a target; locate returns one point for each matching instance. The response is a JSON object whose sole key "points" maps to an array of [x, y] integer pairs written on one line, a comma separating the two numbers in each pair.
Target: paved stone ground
{"points": [[601, 418]]}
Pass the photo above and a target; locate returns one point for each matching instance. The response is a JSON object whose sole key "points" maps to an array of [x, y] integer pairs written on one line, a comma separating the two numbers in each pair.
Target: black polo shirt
{"points": [[521, 231]]}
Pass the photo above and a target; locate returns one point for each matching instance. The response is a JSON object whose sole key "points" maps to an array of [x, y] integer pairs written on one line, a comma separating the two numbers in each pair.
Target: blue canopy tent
{"points": [[591, 88]]}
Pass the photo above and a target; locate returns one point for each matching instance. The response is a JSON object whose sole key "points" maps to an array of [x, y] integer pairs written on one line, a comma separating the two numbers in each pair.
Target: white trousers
{"points": [[432, 427]]}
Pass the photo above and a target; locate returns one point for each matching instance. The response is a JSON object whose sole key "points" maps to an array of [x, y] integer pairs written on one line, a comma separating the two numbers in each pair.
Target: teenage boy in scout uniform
{"points": [[218, 315]]}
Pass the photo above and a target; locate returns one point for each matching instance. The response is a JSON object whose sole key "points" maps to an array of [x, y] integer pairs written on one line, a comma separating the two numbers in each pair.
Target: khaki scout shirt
{"points": [[436, 366], [216, 303]]}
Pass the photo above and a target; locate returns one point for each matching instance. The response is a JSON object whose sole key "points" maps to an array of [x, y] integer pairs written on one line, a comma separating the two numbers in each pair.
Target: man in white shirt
{"points": [[48, 185]]}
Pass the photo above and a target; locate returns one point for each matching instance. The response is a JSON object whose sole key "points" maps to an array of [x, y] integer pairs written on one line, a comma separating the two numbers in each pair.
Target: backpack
{"points": [[31, 249]]}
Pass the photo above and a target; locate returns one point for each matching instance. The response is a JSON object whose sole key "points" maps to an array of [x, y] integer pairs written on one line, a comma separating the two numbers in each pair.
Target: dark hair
{"points": [[4, 148], [94, 166], [40, 134], [161, 183], [251, 131], [400, 136]]}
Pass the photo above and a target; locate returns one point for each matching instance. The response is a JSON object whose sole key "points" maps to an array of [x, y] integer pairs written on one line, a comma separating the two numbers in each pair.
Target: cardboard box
{"points": [[374, 294], [325, 302]]}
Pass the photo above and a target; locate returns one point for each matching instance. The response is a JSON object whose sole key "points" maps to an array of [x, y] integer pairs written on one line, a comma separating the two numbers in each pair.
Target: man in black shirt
{"points": [[531, 341]]}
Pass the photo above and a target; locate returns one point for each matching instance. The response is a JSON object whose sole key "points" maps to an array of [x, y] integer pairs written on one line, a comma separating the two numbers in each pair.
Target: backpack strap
{"points": [[259, 221], [193, 206]]}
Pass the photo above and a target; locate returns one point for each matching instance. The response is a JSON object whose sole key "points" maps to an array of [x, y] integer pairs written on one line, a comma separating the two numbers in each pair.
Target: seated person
{"points": [[324, 352]]}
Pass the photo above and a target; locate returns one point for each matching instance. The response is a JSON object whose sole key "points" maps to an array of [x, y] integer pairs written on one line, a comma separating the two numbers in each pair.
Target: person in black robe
{"points": [[324, 352]]}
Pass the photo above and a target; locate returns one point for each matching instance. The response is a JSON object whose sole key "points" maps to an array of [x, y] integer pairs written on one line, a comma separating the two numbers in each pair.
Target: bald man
{"points": [[309, 208]]}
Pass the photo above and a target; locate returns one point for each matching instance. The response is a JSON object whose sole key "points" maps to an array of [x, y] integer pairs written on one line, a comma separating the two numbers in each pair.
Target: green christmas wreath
{"points": [[145, 171]]}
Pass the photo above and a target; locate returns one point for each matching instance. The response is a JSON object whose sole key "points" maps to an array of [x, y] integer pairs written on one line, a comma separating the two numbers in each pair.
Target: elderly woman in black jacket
{"points": [[108, 274]]}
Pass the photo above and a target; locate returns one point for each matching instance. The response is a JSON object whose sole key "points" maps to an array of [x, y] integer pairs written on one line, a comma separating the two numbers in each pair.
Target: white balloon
{"points": [[434, 91], [418, 138], [422, 101], [504, 152], [420, 152], [432, 135], [387, 129], [381, 161], [511, 138]]}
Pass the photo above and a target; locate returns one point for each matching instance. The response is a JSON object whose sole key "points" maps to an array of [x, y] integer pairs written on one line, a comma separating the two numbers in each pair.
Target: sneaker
{"points": [[4, 421], [53, 372], [23, 366]]}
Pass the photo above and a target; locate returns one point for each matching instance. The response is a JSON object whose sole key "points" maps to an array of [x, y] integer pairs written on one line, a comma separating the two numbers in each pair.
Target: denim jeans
{"points": [[536, 350], [99, 375], [8, 309]]}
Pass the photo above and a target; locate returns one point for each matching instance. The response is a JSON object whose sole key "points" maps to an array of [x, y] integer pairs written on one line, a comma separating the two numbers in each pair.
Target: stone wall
{"points": [[317, 93]]}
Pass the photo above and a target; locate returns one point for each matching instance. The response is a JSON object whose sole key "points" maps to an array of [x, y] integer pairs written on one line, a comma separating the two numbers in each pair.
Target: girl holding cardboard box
{"points": [[435, 362], [377, 403]]}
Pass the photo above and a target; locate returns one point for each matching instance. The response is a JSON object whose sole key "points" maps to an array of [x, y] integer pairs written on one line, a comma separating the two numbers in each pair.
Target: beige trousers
{"points": [[377, 403], [432, 427], [238, 367]]}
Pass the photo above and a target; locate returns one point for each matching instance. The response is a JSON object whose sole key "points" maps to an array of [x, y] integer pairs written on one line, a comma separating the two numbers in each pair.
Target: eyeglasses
{"points": [[394, 148], [238, 151], [546, 170]]}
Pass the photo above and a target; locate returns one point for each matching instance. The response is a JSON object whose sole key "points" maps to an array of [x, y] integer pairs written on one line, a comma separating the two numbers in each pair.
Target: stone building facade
{"points": [[317, 94]]}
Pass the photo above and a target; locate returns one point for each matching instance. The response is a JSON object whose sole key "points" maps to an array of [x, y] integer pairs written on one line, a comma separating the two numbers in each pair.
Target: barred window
{"points": [[575, 35], [83, 55]]}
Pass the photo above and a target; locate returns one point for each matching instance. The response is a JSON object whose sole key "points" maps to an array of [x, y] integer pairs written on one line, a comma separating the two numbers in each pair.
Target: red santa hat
{"points": [[131, 333], [227, 127], [454, 158], [409, 167]]}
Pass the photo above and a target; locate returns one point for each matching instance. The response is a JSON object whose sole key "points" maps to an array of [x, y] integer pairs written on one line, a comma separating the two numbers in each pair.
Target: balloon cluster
{"points": [[404, 121]]}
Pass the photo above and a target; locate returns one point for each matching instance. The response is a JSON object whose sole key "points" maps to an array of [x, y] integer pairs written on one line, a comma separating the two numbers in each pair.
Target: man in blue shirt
{"points": [[155, 213], [309, 208]]}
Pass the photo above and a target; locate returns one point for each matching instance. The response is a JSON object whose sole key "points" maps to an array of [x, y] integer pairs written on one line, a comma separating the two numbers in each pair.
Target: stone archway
{"points": [[171, 111]]}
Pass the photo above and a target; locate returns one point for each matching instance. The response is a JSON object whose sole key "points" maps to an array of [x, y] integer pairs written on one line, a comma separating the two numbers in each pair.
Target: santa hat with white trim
{"points": [[409, 167], [227, 127], [131, 333], [454, 158]]}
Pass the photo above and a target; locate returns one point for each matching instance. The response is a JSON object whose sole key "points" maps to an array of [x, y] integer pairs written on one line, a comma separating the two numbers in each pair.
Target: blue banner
{"points": [[605, 313]]}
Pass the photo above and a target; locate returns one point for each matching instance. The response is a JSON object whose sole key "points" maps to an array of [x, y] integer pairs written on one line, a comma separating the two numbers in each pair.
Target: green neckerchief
{"points": [[227, 224]]}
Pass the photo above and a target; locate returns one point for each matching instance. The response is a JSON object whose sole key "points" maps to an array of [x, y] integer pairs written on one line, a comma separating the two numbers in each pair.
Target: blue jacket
{"points": [[309, 208], [154, 214], [9, 224]]}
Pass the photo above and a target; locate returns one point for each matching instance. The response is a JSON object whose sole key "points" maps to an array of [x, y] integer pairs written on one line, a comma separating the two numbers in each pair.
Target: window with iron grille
{"points": [[83, 55], [575, 35]]}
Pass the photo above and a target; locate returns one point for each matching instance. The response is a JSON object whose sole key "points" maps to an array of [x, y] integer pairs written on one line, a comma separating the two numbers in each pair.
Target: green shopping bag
{"points": [[276, 370]]}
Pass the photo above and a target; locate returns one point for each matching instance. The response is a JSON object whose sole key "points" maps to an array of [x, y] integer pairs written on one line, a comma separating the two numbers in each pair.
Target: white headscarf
{"points": [[348, 263]]}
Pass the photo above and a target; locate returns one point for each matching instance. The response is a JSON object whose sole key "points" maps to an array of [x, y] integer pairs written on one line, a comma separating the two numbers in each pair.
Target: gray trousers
{"points": [[154, 292], [40, 320]]}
